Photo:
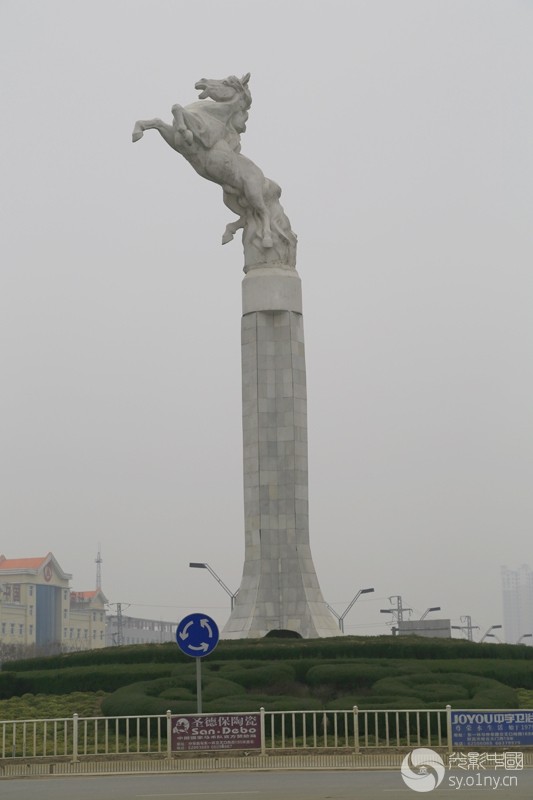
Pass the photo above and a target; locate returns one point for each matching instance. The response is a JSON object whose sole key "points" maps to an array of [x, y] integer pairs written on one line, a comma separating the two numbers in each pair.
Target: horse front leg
{"points": [[142, 125], [179, 123], [139, 129]]}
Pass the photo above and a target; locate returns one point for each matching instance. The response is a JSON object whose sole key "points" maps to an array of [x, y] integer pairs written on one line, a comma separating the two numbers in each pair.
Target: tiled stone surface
{"points": [[279, 587]]}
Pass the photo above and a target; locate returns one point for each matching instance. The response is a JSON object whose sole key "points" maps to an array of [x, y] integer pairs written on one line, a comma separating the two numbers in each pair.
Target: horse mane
{"points": [[242, 87]]}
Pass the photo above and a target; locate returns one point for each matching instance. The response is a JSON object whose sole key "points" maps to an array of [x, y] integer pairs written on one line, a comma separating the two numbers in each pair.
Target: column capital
{"points": [[272, 289]]}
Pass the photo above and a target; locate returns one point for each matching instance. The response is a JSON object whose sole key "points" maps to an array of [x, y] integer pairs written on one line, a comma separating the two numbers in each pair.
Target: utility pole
{"points": [[397, 613], [399, 608], [118, 637], [467, 627]]}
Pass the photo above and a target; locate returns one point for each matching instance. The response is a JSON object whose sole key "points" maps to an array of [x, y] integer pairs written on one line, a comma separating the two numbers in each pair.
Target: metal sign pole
{"points": [[199, 685]]}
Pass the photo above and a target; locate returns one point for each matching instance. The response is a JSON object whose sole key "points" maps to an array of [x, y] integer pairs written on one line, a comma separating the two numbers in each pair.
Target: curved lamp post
{"points": [[341, 617], [426, 612], [202, 565], [488, 632]]}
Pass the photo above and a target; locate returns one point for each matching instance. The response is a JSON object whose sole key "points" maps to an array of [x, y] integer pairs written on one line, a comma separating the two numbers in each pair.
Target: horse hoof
{"points": [[227, 238], [136, 135], [267, 241]]}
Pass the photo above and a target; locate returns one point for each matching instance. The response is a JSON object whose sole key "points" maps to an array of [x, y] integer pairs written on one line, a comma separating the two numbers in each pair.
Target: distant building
{"points": [[133, 630], [434, 628], [37, 607], [517, 597], [86, 629]]}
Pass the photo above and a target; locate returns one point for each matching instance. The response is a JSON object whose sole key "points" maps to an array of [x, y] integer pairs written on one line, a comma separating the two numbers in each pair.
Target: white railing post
{"points": [[75, 738], [356, 728], [449, 727], [169, 734], [262, 729]]}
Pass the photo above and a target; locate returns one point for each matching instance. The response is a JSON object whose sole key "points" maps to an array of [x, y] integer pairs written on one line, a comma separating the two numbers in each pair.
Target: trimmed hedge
{"points": [[263, 676], [330, 686], [347, 676], [273, 649], [148, 679], [460, 689], [218, 687], [51, 706], [106, 677]]}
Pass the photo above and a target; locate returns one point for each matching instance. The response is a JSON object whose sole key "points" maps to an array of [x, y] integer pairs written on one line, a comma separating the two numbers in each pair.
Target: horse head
{"points": [[229, 90]]}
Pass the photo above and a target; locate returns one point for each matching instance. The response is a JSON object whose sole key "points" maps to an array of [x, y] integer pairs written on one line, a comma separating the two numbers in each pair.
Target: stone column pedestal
{"points": [[279, 588]]}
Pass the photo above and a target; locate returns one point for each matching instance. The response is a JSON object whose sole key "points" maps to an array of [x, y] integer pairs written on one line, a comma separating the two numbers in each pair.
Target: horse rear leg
{"points": [[231, 229], [254, 196]]}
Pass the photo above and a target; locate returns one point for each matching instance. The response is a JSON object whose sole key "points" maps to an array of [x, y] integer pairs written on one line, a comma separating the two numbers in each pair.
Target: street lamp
{"points": [[426, 612], [201, 565], [488, 632], [390, 611], [525, 636], [341, 617]]}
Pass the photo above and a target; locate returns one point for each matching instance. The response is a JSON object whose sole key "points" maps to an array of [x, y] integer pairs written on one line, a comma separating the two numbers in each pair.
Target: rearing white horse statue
{"points": [[207, 133]]}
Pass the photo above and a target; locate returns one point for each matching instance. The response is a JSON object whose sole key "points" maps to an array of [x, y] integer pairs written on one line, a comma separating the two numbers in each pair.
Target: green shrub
{"points": [[260, 676], [177, 694], [272, 649], [134, 700], [342, 703], [78, 679], [347, 676], [311, 673], [234, 704], [218, 687], [405, 701], [129, 654], [284, 703], [525, 698], [443, 693], [498, 697], [512, 673], [51, 706], [460, 690]]}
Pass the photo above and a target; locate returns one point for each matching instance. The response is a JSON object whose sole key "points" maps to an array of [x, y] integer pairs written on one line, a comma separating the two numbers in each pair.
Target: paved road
{"points": [[316, 785]]}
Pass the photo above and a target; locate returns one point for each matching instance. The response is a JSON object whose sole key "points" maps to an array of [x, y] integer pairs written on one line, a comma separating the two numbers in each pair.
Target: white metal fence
{"points": [[75, 737]]}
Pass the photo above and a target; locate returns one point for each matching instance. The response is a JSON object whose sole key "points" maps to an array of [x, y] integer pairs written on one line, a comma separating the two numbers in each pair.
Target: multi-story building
{"points": [[133, 630], [87, 621], [517, 595], [37, 607]]}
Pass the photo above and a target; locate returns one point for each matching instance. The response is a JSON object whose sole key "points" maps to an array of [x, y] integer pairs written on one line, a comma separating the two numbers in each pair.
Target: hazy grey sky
{"points": [[401, 133]]}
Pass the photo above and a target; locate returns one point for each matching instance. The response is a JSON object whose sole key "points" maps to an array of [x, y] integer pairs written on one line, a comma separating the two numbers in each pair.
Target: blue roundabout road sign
{"points": [[197, 635]]}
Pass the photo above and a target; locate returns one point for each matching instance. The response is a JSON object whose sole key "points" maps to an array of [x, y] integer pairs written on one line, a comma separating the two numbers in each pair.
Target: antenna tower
{"points": [[98, 561]]}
